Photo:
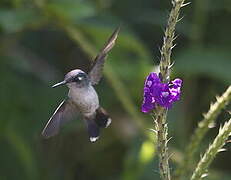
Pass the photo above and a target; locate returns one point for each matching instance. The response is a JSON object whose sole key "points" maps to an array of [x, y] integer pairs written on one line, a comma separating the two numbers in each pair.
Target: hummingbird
{"points": [[82, 99]]}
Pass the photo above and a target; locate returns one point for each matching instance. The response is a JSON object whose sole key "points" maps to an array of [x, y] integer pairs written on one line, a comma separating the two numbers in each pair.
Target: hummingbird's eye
{"points": [[79, 77]]}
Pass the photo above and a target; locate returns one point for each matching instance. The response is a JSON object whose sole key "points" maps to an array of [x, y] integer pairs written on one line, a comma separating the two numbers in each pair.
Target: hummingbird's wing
{"points": [[102, 118], [64, 113], [96, 71]]}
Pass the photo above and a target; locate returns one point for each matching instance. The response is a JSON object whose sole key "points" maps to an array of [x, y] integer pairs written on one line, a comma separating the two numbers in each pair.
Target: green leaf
{"points": [[147, 152], [14, 20], [138, 160], [71, 10], [23, 151], [211, 62]]}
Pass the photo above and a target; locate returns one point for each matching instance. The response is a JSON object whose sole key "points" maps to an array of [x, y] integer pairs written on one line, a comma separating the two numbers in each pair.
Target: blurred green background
{"points": [[41, 40]]}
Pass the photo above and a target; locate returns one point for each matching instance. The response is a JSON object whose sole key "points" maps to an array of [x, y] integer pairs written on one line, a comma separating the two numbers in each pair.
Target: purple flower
{"points": [[158, 93]]}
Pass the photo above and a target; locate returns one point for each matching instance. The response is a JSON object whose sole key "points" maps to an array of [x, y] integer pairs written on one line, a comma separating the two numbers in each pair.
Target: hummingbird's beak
{"points": [[59, 84]]}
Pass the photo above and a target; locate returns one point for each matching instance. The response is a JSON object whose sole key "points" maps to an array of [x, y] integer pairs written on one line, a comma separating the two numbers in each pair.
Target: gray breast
{"points": [[85, 98]]}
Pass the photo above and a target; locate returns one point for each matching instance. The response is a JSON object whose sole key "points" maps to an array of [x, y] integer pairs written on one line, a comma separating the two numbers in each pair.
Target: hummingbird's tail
{"points": [[93, 130], [100, 120]]}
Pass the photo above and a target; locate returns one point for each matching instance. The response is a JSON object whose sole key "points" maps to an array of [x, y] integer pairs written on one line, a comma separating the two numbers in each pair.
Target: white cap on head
{"points": [[73, 73]]}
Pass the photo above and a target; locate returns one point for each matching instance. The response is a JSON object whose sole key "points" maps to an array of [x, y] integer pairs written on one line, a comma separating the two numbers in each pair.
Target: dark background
{"points": [[41, 40]]}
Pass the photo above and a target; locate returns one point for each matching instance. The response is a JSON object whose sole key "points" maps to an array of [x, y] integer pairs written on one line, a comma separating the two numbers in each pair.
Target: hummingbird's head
{"points": [[75, 78]]}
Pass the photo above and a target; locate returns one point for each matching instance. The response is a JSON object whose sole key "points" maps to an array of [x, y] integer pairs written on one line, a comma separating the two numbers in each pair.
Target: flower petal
{"points": [[163, 94]]}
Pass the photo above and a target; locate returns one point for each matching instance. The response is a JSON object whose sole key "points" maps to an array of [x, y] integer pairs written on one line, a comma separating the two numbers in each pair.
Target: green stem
{"points": [[169, 37], [162, 141], [211, 152], [161, 113], [201, 130]]}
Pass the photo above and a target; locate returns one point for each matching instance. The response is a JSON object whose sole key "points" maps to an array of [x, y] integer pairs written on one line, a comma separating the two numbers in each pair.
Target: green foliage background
{"points": [[41, 40]]}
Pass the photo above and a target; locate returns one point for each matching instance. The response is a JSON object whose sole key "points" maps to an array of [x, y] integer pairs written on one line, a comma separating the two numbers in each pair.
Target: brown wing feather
{"points": [[64, 113], [96, 71]]}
